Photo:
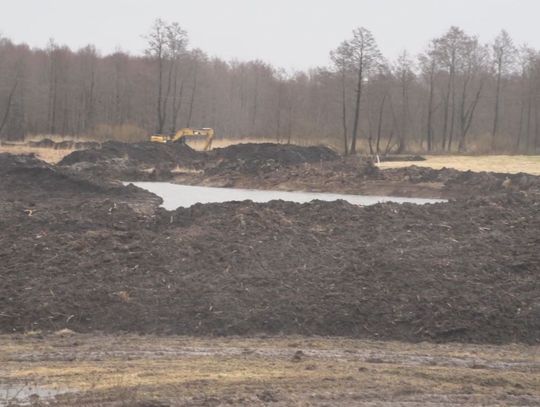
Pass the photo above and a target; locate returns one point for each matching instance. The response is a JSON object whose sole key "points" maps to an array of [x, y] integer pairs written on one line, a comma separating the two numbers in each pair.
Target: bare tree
{"points": [[157, 50], [503, 55], [365, 56], [472, 69], [342, 59], [9, 103], [177, 41], [428, 66], [405, 74], [447, 103]]}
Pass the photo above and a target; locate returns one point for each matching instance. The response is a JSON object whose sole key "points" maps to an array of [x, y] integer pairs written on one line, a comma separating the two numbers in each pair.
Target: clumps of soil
{"points": [[458, 183], [134, 154], [28, 180], [158, 161], [26, 173], [355, 175], [134, 161], [63, 145], [266, 157], [394, 158], [89, 261]]}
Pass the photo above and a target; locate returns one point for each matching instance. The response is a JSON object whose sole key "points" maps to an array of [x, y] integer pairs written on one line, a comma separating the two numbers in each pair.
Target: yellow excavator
{"points": [[183, 134]]}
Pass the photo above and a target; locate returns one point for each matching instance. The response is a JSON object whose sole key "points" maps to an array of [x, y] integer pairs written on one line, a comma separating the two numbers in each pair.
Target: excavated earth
{"points": [[283, 167], [79, 250]]}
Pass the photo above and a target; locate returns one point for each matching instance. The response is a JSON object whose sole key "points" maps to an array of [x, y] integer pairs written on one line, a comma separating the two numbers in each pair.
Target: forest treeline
{"points": [[457, 95]]}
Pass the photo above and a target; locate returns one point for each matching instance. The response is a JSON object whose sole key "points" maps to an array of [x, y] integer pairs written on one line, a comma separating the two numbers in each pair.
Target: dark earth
{"points": [[78, 250]]}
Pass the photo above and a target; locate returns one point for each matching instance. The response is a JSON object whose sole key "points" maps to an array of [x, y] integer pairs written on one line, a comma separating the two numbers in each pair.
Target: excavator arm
{"points": [[184, 134]]}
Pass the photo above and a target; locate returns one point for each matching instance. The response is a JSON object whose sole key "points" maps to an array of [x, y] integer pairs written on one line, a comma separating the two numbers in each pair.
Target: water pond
{"points": [[176, 196]]}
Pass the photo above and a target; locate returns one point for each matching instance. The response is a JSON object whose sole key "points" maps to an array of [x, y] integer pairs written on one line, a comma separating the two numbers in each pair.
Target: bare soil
{"points": [[81, 252], [285, 167]]}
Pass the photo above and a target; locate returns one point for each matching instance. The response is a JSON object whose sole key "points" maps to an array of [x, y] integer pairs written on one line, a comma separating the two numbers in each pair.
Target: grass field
{"points": [[494, 163]]}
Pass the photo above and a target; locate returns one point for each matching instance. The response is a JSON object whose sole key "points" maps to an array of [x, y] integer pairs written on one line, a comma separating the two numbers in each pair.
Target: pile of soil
{"points": [[356, 175], [157, 161], [394, 158], [64, 145], [22, 174], [467, 270], [465, 183], [134, 154], [134, 161], [29, 182], [266, 157]]}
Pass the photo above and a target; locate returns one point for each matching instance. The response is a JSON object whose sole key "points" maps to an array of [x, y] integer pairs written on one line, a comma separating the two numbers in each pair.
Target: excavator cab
{"points": [[184, 134]]}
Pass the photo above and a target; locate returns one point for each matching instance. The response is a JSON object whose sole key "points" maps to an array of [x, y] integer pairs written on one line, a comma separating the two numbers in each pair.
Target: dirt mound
{"points": [[63, 145], [134, 161], [157, 161], [28, 173], [44, 143], [356, 175], [266, 157], [86, 254], [459, 183], [463, 271], [146, 153], [392, 158], [29, 182]]}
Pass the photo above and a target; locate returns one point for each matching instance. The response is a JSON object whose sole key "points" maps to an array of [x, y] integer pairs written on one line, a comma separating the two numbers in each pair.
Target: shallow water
{"points": [[176, 196], [27, 394]]}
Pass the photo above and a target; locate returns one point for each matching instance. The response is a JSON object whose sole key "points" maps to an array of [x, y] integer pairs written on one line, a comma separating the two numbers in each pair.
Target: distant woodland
{"points": [[458, 95]]}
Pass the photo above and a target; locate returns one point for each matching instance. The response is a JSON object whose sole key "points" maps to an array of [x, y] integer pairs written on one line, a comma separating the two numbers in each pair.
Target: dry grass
{"points": [[181, 367], [494, 163], [46, 154]]}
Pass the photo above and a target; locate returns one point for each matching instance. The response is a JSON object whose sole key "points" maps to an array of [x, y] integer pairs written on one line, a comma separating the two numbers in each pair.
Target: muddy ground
{"points": [[128, 370], [88, 254], [283, 167]]}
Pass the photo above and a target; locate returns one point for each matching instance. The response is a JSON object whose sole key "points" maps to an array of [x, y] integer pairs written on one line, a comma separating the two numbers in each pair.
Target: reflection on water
{"points": [[175, 196], [27, 394]]}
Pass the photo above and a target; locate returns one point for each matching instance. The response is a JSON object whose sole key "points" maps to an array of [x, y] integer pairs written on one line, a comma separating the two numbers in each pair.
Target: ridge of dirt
{"points": [[88, 258], [266, 157], [393, 158], [29, 181], [145, 161], [66, 144], [118, 156], [284, 167], [360, 176]]}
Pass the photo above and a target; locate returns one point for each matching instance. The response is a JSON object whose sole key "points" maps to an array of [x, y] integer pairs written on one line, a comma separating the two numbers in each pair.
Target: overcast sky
{"points": [[294, 34]]}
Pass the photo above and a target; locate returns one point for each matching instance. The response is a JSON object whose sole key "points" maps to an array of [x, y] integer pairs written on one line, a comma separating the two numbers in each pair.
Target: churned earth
{"points": [[69, 369], [80, 251]]}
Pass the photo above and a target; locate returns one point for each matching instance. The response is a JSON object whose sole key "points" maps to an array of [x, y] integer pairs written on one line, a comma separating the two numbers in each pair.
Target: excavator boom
{"points": [[183, 134]]}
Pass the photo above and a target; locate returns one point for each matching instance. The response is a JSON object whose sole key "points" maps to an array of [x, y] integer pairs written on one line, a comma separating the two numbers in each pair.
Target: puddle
{"points": [[25, 395], [176, 196]]}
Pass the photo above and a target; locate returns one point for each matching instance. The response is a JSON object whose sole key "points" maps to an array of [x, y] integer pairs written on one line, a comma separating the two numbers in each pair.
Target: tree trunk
{"points": [[8, 106], [357, 107], [446, 112], [160, 94], [344, 112], [453, 115], [177, 106], [497, 101], [192, 101], [379, 124], [467, 119]]}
